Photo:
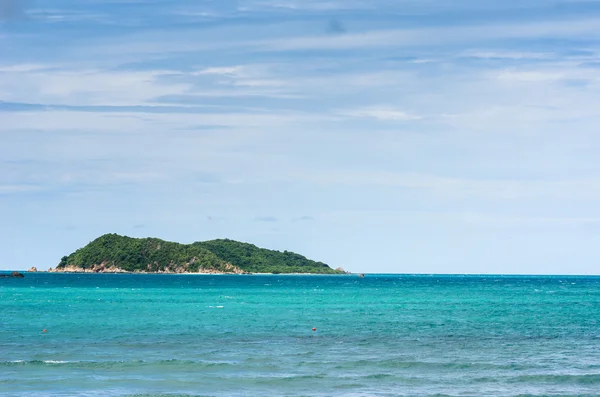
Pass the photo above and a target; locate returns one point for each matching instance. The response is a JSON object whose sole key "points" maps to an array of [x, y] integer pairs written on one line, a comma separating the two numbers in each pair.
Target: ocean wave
{"points": [[117, 364], [166, 395], [32, 362], [553, 395], [431, 365], [580, 379], [506, 394], [557, 379]]}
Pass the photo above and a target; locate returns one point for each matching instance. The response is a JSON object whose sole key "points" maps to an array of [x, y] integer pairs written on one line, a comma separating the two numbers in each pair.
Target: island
{"points": [[113, 253]]}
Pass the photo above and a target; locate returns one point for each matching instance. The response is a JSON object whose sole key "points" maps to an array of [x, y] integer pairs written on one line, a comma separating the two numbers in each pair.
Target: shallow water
{"points": [[382, 335]]}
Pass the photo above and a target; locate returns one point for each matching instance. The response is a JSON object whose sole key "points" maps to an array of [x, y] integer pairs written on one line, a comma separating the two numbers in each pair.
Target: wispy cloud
{"points": [[223, 70], [469, 35], [382, 113], [520, 55], [84, 87], [23, 68], [13, 189]]}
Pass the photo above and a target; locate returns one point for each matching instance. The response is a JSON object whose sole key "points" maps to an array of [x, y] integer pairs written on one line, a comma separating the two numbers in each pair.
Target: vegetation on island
{"points": [[113, 252], [252, 259]]}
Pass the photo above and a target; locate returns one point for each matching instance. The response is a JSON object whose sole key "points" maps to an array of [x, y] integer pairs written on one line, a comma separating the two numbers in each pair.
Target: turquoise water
{"points": [[149, 335]]}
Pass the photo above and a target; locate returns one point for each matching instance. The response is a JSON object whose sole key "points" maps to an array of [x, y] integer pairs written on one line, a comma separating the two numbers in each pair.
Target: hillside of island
{"points": [[113, 253]]}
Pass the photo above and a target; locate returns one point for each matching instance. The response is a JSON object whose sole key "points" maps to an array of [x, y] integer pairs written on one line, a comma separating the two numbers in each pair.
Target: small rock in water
{"points": [[13, 274]]}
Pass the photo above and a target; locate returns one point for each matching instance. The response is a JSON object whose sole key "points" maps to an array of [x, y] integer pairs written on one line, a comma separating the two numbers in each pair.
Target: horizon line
{"points": [[347, 274]]}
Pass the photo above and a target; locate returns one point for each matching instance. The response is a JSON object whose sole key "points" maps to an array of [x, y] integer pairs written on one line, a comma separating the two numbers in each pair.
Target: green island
{"points": [[112, 253]]}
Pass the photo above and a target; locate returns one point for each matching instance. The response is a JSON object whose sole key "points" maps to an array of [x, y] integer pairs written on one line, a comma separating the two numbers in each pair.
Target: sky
{"points": [[381, 136]]}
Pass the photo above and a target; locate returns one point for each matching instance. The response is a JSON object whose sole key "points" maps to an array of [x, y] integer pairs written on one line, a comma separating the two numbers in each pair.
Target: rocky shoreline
{"points": [[102, 268], [116, 270]]}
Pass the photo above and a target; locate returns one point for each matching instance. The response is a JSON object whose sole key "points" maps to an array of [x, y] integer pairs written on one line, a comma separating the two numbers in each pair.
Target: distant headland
{"points": [[112, 253]]}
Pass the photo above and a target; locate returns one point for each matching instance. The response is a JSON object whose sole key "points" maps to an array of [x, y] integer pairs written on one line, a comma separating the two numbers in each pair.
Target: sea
{"points": [[291, 335]]}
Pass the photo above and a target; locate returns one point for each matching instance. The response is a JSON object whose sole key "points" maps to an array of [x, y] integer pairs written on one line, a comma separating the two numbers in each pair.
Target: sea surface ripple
{"points": [[382, 335]]}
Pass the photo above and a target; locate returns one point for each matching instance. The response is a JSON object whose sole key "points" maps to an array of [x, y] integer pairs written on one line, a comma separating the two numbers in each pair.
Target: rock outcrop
{"points": [[33, 270], [13, 274], [103, 268]]}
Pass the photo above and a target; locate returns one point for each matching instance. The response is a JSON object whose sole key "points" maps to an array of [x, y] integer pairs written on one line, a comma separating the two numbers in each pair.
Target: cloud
{"points": [[68, 175], [68, 86], [319, 6], [23, 68], [574, 189], [532, 76], [513, 55], [127, 123], [382, 113], [221, 70], [59, 16], [242, 76], [16, 189], [426, 36], [58, 85]]}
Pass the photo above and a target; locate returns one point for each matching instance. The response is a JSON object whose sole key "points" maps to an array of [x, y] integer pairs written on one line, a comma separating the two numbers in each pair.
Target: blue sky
{"points": [[397, 136]]}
